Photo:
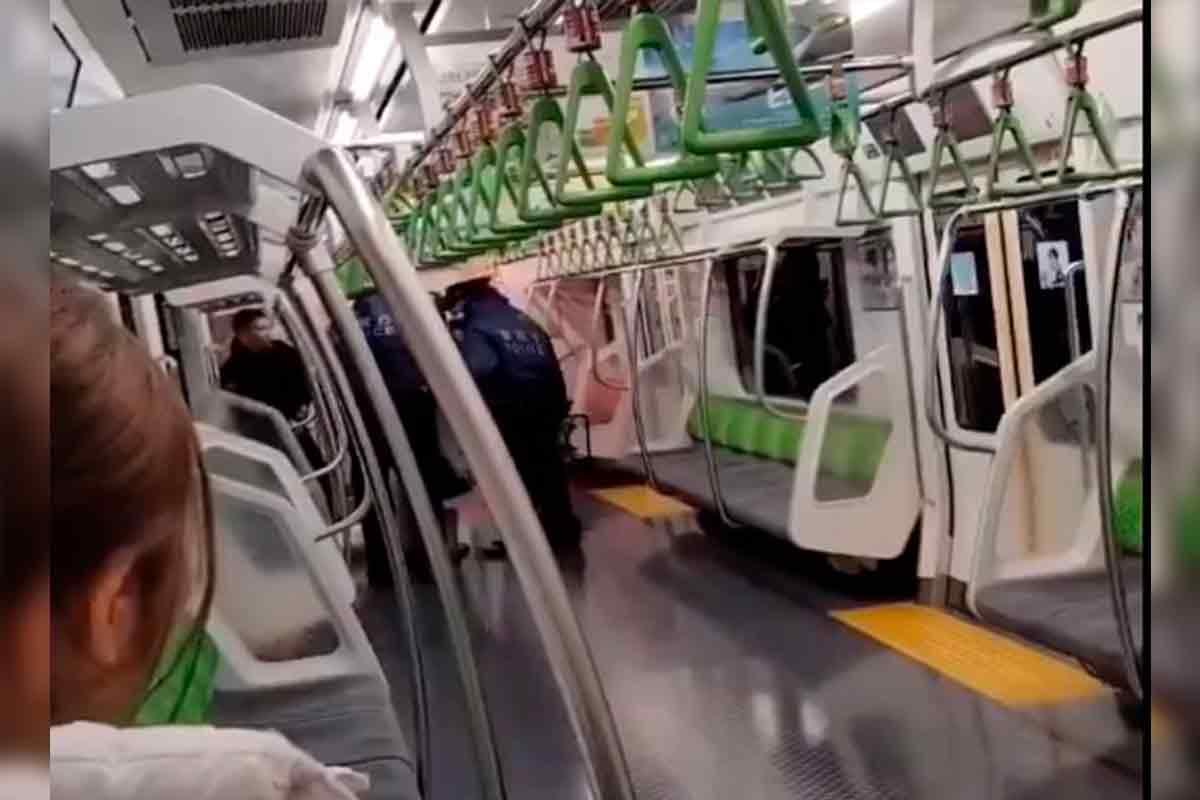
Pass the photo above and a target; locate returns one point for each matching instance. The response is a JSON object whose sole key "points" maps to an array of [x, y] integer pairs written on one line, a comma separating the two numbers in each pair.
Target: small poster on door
{"points": [[880, 286], [964, 274], [1052, 263]]}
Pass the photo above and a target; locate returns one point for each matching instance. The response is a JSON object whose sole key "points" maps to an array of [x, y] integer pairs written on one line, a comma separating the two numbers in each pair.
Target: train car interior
{"points": [[847, 299]]}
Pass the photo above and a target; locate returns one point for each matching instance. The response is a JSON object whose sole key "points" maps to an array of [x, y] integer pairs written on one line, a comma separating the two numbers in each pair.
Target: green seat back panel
{"points": [[1127, 508], [853, 447], [182, 687]]}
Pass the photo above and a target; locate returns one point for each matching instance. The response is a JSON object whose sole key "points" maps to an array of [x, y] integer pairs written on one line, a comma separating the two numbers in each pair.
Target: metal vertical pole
{"points": [[319, 266], [443, 366], [393, 538]]}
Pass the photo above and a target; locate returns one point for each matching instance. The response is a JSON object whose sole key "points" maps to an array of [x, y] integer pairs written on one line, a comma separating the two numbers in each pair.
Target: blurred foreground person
{"points": [[132, 583]]}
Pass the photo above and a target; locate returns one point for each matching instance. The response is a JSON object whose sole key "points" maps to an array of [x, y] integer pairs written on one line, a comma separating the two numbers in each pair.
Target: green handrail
{"points": [[1008, 122], [512, 139], [845, 128], [1044, 13], [767, 20], [648, 31], [547, 111], [588, 78]]}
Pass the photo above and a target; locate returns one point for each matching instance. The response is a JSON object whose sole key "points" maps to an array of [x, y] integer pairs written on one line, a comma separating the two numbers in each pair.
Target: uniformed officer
{"points": [[514, 364], [418, 414]]}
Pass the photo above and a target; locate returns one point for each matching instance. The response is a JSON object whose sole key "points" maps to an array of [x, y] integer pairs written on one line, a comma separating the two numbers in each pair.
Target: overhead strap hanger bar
{"points": [[648, 31]]}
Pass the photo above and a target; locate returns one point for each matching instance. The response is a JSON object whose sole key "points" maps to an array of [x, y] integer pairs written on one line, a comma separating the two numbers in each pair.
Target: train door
{"points": [[1019, 309]]}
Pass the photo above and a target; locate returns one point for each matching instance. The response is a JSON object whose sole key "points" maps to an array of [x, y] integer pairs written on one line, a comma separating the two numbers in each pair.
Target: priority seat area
{"points": [[755, 452]]}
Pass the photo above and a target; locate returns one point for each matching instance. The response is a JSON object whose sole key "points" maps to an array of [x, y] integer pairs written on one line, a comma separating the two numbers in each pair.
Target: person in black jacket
{"points": [[270, 371], [514, 364]]}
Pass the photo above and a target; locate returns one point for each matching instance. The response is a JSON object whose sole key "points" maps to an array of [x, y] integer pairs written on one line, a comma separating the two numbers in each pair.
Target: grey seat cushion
{"points": [[345, 722], [1072, 614], [756, 491]]}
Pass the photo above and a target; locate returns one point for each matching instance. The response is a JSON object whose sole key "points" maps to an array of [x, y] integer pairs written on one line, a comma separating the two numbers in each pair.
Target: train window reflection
{"points": [[808, 336]]}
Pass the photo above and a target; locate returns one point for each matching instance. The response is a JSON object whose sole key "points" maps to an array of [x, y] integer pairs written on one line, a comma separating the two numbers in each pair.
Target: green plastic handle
{"points": [[648, 31], [479, 201], [453, 232], [756, 26], [767, 17], [1081, 101], [896, 158], [433, 250], [546, 111], [946, 142], [588, 78], [1044, 13], [845, 130], [512, 140], [1007, 122]]}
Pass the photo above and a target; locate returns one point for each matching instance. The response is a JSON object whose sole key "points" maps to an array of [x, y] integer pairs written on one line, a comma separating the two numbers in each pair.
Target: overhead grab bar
{"points": [[436, 354], [945, 253]]}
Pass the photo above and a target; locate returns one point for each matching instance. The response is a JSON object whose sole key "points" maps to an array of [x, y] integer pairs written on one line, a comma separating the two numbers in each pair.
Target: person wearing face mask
{"points": [[131, 535]]}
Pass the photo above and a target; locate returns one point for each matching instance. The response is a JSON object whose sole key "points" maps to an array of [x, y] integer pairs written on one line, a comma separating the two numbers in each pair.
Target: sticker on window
{"points": [[1052, 262], [964, 275]]}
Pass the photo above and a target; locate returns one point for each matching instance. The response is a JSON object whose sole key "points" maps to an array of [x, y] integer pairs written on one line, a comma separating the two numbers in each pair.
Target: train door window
{"points": [[1049, 246], [971, 332], [808, 336]]}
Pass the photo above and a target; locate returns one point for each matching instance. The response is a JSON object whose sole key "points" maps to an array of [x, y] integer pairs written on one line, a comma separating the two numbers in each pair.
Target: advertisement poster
{"points": [[732, 106]]}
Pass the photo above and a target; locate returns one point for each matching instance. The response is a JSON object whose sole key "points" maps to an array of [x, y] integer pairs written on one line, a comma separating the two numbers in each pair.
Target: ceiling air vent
{"points": [[188, 30]]}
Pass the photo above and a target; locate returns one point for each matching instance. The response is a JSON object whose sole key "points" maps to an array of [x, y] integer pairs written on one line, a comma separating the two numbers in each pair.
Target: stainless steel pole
{"points": [[1112, 557], [710, 459], [1076, 348], [439, 359], [632, 318], [393, 535], [320, 269]]}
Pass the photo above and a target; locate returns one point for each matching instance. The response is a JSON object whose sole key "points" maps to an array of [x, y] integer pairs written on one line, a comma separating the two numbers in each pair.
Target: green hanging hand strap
{"points": [[1008, 122], [896, 158], [844, 131], [1044, 13], [452, 221], [588, 78], [648, 31], [477, 200], [756, 25], [546, 111], [1082, 101], [512, 140], [433, 249], [946, 142], [767, 19], [740, 177]]}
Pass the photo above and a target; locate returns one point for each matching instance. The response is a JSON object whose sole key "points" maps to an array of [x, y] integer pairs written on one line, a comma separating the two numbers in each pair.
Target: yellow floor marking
{"points": [[985, 662], [643, 502]]}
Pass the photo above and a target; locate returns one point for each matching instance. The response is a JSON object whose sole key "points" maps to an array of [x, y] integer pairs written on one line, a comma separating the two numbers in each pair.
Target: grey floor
{"points": [[729, 681]]}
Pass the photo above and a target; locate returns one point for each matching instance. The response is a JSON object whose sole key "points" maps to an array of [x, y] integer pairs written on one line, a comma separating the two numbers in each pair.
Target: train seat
{"points": [[293, 654], [755, 453], [1071, 614]]}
